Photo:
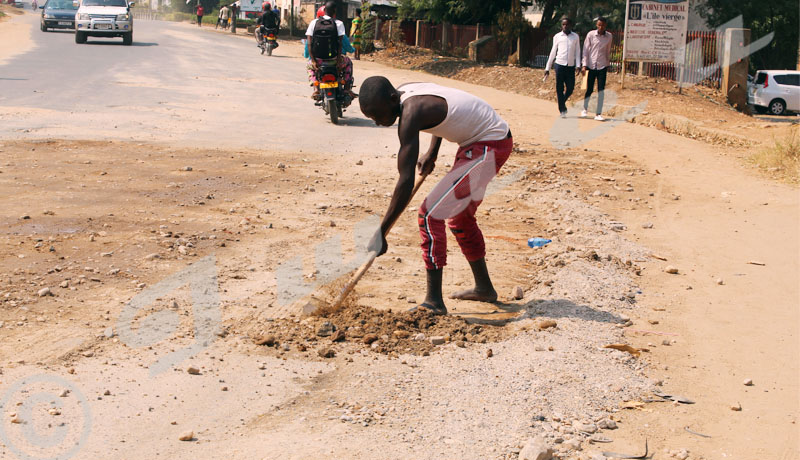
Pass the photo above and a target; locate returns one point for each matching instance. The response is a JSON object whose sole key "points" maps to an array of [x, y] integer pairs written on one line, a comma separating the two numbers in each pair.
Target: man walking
{"points": [[596, 58], [485, 144], [566, 54], [200, 12], [222, 18]]}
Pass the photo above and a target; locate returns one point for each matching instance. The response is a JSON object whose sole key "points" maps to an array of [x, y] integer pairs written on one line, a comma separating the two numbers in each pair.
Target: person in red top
{"points": [[200, 13]]}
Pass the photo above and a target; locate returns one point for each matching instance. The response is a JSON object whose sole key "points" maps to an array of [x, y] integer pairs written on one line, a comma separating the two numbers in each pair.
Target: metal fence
{"points": [[702, 52], [145, 13], [431, 36]]}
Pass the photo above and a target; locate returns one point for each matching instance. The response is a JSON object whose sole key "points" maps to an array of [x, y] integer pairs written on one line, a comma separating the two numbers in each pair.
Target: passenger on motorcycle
{"points": [[268, 21], [344, 64]]}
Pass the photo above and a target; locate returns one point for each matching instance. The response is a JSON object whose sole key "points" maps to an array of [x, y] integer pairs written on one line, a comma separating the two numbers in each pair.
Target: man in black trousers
{"points": [[596, 59], [566, 54]]}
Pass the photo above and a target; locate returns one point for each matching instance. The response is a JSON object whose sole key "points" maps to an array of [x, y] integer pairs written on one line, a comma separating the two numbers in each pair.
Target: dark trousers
{"points": [[565, 77], [600, 76]]}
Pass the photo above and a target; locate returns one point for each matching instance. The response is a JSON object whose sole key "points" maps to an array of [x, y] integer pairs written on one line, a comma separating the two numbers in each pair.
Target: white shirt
{"points": [[339, 26], [469, 119], [566, 50]]}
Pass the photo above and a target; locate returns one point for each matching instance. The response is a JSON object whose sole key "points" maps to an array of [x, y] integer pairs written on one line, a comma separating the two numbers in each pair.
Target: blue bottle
{"points": [[537, 242]]}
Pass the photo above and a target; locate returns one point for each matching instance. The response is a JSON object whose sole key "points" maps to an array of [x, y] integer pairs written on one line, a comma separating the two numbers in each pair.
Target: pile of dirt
{"points": [[381, 331]]}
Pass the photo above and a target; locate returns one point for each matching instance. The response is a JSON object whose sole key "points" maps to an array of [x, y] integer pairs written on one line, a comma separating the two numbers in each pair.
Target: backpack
{"points": [[325, 41]]}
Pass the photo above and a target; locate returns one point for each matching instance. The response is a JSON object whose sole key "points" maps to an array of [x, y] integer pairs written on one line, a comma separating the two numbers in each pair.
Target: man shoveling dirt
{"points": [[485, 144]]}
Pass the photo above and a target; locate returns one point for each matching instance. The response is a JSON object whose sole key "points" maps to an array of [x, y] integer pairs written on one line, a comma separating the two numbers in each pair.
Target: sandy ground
{"points": [[165, 255], [14, 35]]}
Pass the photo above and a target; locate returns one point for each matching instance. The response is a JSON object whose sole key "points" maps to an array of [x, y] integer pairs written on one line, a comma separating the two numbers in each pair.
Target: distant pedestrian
{"points": [[566, 53], [200, 13], [355, 33], [223, 16], [596, 58]]}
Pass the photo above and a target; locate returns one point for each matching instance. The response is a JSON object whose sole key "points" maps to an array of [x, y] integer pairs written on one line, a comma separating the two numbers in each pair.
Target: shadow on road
{"points": [[788, 118], [120, 43], [554, 308], [359, 122]]}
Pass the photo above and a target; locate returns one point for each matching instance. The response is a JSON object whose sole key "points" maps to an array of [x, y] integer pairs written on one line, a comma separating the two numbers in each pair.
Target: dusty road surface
{"points": [[160, 204]]}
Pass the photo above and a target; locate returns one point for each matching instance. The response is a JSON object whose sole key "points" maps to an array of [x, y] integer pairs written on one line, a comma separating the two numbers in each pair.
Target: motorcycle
{"points": [[333, 96], [267, 40]]}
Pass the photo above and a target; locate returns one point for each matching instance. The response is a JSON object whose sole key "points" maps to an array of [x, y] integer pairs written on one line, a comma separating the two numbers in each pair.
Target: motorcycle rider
{"points": [[344, 63], [267, 21]]}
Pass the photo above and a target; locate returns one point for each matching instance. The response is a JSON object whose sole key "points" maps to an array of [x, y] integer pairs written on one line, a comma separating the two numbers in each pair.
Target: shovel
{"points": [[348, 288]]}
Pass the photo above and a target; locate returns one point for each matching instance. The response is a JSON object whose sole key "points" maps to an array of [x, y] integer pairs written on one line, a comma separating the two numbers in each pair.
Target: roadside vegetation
{"points": [[7, 10], [782, 158]]}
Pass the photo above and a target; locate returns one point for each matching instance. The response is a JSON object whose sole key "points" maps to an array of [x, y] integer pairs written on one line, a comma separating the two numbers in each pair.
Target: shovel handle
{"points": [[372, 256]]}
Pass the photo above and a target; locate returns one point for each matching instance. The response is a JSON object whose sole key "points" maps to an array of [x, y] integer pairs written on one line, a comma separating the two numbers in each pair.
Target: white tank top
{"points": [[469, 119]]}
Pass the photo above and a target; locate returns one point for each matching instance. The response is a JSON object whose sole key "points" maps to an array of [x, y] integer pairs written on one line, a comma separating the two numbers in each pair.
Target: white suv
{"points": [[775, 91], [104, 18]]}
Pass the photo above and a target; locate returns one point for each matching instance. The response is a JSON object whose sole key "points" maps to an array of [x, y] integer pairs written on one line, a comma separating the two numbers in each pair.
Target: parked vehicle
{"points": [[775, 91], [58, 14], [333, 98], [104, 18]]}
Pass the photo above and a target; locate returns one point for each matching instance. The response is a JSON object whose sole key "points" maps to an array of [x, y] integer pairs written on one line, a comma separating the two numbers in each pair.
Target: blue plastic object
{"points": [[537, 242]]}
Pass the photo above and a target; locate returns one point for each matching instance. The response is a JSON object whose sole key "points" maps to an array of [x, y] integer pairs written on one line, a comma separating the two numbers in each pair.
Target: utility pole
{"points": [[291, 20], [234, 14]]}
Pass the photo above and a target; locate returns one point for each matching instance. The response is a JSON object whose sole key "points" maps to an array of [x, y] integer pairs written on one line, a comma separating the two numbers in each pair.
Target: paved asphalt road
{"points": [[176, 84]]}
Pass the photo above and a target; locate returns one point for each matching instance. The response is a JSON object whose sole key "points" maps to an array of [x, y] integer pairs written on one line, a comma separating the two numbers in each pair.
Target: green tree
{"points": [[454, 11], [367, 29], [510, 25], [779, 16], [582, 12]]}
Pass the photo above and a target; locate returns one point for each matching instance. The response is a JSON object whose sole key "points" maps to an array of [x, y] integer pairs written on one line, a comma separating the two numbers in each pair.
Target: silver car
{"points": [[775, 91], [104, 18]]}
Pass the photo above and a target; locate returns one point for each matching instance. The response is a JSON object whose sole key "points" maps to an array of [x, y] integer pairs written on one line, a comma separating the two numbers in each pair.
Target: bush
{"points": [[211, 18], [368, 29], [783, 158]]}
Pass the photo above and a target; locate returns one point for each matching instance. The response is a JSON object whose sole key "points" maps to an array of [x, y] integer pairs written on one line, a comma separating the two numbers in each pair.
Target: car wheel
{"points": [[127, 39], [43, 27], [777, 107], [80, 37]]}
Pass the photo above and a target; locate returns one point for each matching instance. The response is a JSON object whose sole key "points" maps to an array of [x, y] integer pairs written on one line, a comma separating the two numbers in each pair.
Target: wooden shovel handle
{"points": [[372, 256]]}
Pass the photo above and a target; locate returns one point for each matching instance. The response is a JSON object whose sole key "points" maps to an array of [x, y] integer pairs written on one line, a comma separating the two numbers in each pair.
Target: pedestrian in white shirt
{"points": [[596, 58], [566, 54]]}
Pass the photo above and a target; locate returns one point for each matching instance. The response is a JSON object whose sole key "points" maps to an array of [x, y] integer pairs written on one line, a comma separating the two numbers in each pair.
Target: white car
{"points": [[104, 18], [775, 91]]}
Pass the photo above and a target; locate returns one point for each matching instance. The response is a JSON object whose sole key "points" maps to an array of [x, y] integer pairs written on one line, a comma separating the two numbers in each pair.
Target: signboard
{"points": [[655, 30], [251, 5]]}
